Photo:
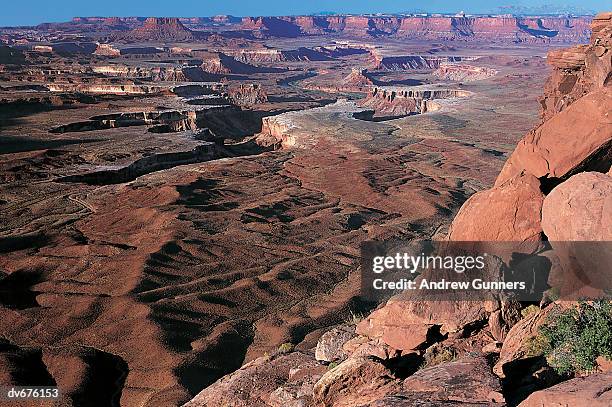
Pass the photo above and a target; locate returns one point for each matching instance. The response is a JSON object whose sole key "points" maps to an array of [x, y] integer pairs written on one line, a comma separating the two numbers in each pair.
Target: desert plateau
{"points": [[183, 202]]}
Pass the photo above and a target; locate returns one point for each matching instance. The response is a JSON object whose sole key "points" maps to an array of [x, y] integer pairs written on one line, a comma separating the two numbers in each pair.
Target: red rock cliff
{"points": [[549, 29], [161, 29]]}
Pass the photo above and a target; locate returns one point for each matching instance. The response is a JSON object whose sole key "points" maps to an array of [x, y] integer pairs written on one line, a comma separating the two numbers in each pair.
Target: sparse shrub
{"points": [[354, 318], [332, 365], [436, 355], [532, 309], [535, 346], [286, 347], [572, 339]]}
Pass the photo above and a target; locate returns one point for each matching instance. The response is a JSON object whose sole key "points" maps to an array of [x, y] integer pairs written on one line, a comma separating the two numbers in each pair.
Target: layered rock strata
{"points": [[496, 28]]}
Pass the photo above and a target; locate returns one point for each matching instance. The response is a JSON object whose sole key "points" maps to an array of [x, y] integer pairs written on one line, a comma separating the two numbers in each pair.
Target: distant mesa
{"points": [[463, 73], [502, 28], [114, 23], [107, 50], [276, 55], [417, 62], [496, 28], [220, 63], [160, 29]]}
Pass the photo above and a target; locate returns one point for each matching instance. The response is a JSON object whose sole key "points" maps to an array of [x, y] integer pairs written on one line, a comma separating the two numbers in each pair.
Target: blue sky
{"points": [[29, 12]]}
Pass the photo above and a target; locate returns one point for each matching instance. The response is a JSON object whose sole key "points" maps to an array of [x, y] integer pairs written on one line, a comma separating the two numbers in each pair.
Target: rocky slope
{"points": [[557, 185]]}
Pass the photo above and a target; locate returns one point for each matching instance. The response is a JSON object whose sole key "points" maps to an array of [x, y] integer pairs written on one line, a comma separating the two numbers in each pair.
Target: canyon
{"points": [[413, 350], [183, 200]]}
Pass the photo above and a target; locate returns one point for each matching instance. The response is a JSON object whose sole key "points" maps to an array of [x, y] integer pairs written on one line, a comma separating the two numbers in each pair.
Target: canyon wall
{"points": [[496, 28], [404, 101], [464, 73], [484, 28], [424, 62]]}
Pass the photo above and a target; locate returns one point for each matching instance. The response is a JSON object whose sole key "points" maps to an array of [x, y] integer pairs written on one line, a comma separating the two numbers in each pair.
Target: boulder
{"points": [[407, 324], [364, 346], [329, 348], [509, 212], [466, 380], [591, 391], [517, 343], [252, 384], [576, 213], [579, 209], [551, 151], [298, 390], [492, 347], [289, 396], [407, 337], [354, 382]]}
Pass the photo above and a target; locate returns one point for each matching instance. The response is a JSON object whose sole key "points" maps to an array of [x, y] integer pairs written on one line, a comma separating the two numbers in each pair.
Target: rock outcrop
{"points": [[463, 72], [566, 204], [402, 101], [551, 152], [257, 383], [467, 380], [107, 50], [267, 55], [591, 391], [330, 345], [575, 136], [579, 70], [516, 345], [153, 73], [166, 29], [508, 212], [247, 94], [358, 79], [355, 381], [579, 209], [220, 63], [414, 62]]}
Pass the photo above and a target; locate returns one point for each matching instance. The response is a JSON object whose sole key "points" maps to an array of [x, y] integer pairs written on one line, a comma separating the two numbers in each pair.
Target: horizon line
{"points": [[320, 14]]}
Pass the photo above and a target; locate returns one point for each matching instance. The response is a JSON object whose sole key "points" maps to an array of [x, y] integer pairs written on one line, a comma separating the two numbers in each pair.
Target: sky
{"points": [[31, 12]]}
